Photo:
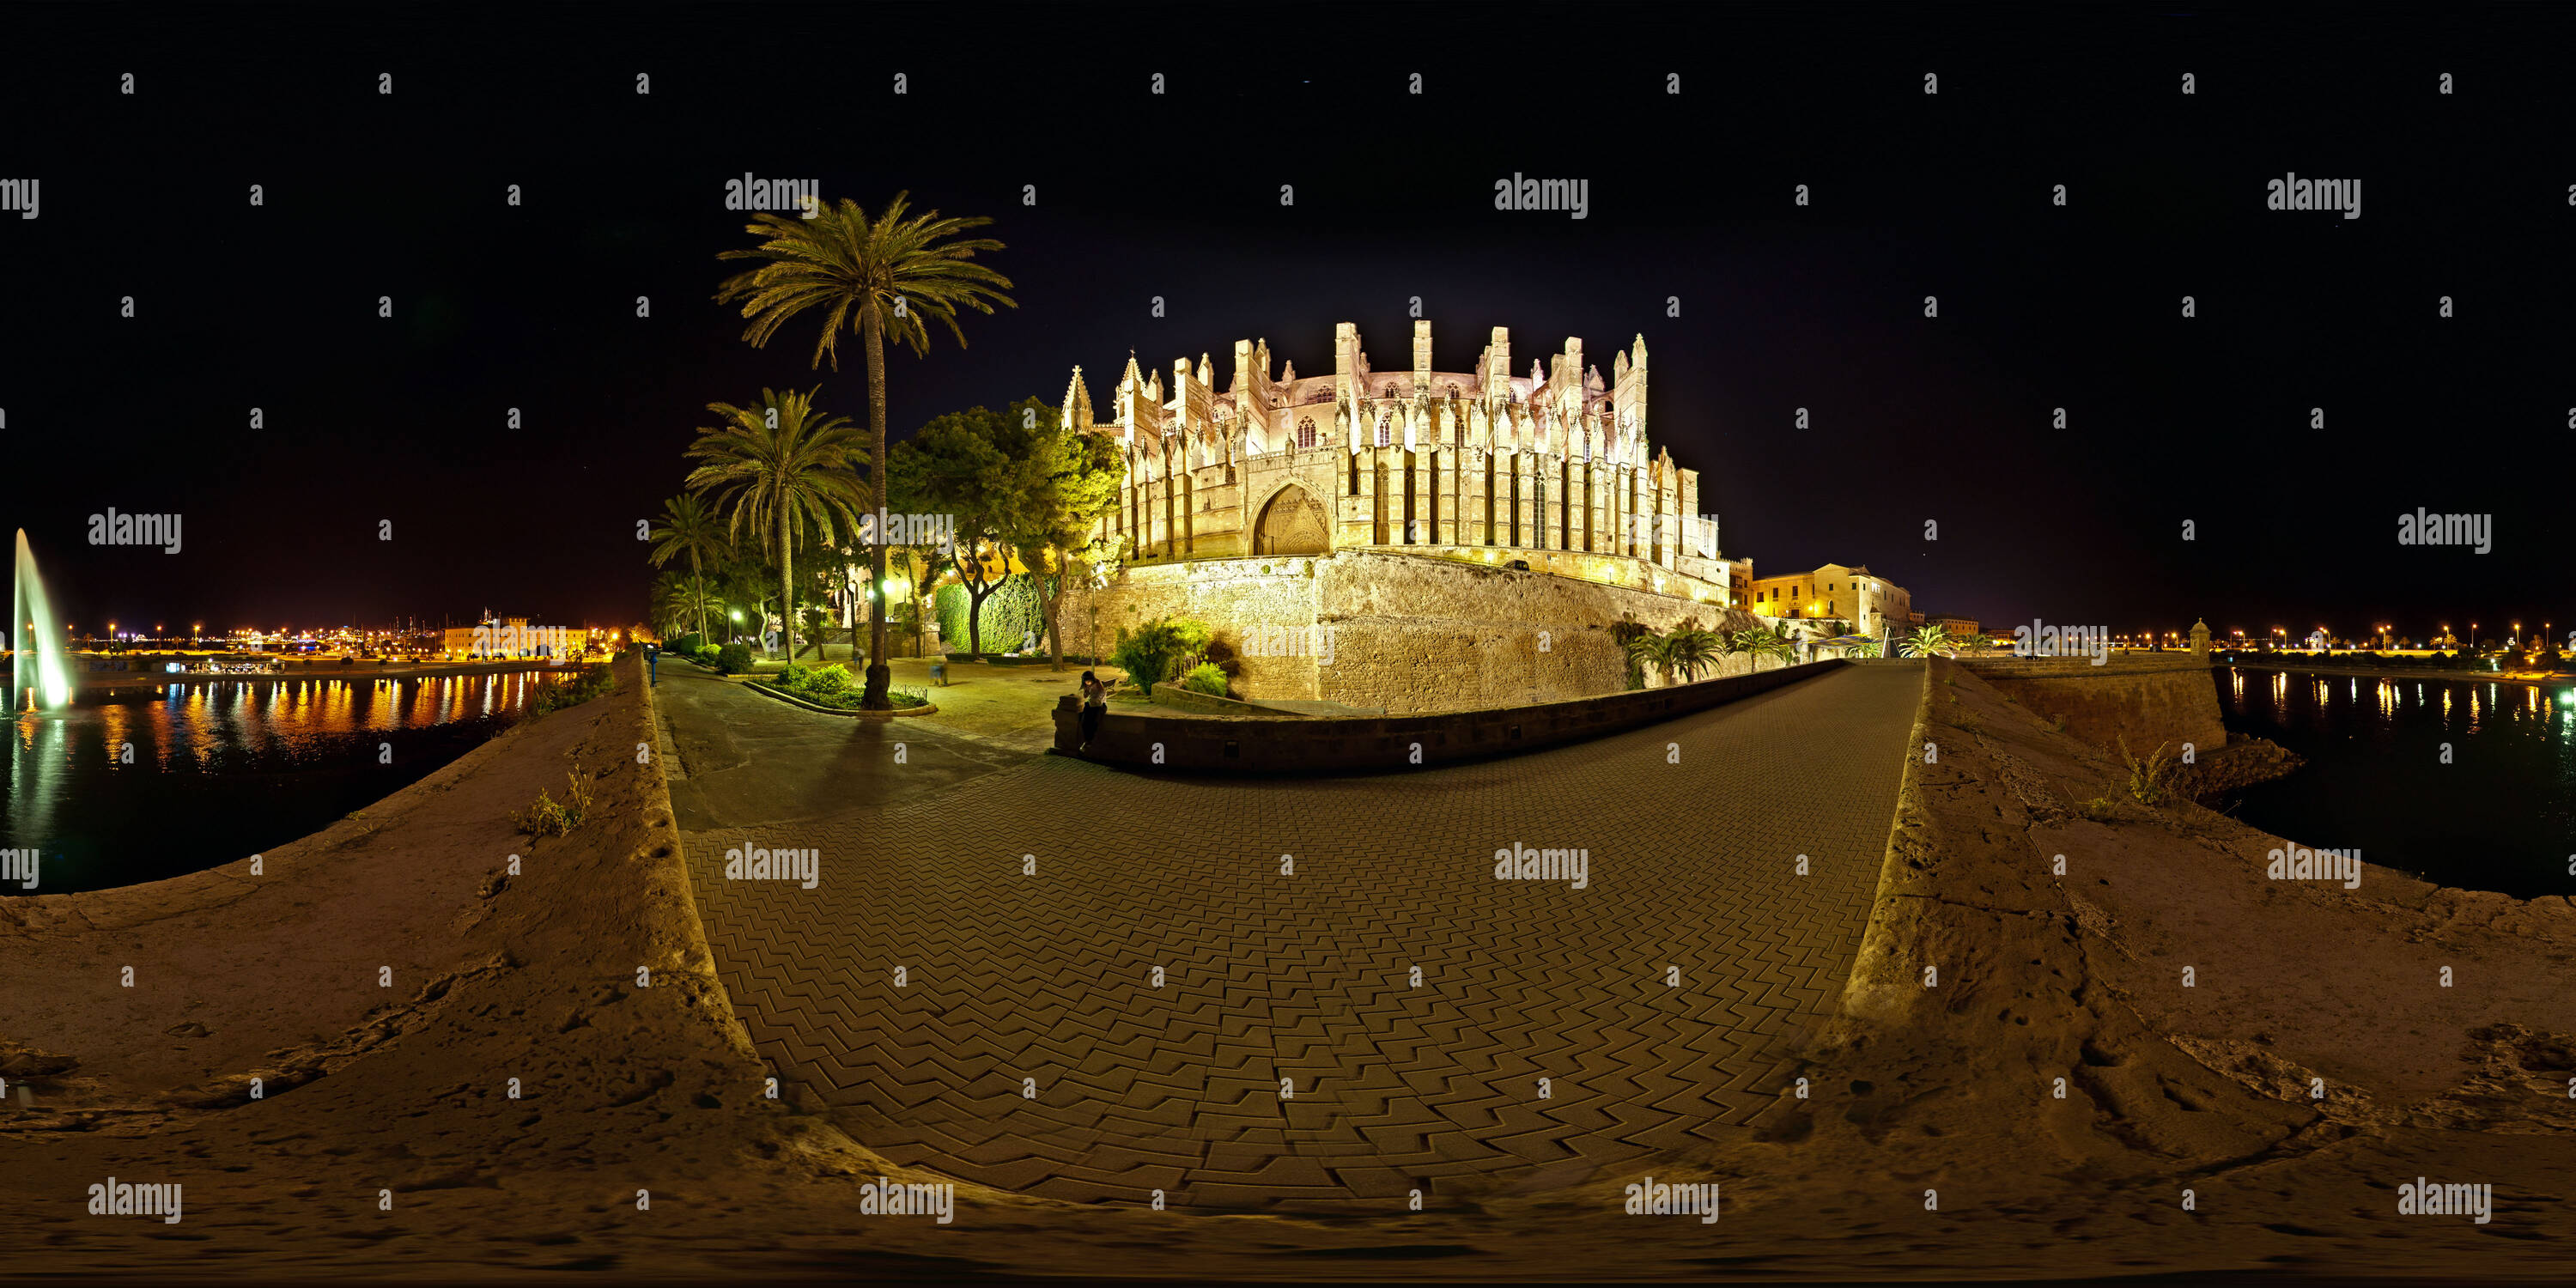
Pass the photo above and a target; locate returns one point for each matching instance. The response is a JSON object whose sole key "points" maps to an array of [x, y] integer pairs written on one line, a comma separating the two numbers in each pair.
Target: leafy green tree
{"points": [[778, 466], [817, 619], [689, 529], [1067, 481], [958, 464], [888, 278], [1022, 485]]}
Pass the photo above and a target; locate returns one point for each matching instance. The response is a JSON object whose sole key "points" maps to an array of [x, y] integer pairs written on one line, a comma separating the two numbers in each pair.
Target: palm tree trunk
{"points": [[699, 579], [880, 676], [786, 584]]}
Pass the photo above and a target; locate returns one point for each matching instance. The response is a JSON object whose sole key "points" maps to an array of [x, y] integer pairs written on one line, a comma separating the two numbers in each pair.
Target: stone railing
{"points": [[1378, 744]]}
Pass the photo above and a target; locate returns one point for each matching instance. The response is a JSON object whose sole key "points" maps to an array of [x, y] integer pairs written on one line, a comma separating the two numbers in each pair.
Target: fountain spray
{"points": [[34, 615]]}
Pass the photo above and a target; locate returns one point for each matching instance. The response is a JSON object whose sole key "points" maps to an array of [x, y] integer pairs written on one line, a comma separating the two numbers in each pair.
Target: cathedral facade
{"points": [[1420, 539], [1544, 468]]}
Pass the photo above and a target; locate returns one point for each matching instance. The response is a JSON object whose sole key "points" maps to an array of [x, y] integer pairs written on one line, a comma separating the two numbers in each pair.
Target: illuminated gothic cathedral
{"points": [[1464, 534], [1553, 461]]}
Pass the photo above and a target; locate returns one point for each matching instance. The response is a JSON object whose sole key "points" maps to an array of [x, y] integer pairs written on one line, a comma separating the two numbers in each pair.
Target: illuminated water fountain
{"points": [[39, 655]]}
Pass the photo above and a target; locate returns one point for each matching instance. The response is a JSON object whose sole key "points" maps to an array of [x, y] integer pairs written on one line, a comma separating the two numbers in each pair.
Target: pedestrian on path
{"points": [[1095, 704]]}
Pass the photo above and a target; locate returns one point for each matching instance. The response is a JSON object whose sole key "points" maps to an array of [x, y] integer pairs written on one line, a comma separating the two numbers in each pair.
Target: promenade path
{"points": [[954, 1009]]}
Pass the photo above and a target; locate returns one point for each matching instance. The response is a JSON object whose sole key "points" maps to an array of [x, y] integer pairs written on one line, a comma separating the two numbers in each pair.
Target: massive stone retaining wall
{"points": [[1378, 744], [2144, 698], [1405, 633]]}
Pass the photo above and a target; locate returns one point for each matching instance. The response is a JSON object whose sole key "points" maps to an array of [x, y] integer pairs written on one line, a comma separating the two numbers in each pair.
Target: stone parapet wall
{"points": [[1380, 744], [1402, 632], [2145, 698]]}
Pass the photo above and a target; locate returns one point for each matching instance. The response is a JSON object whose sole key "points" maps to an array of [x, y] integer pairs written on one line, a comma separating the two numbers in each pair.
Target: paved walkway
{"points": [[1027, 1046]]}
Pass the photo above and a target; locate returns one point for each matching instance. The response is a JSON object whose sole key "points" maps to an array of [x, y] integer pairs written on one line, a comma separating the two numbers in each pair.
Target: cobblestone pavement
{"points": [[957, 1010]]}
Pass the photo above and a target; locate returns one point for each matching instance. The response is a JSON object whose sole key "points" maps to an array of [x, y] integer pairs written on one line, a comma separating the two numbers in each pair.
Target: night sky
{"points": [[1177, 196]]}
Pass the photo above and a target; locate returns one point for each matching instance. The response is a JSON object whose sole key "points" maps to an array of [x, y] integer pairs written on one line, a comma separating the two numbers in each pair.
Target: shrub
{"points": [[2149, 777], [831, 685], [733, 659], [908, 697], [1638, 645], [687, 645], [572, 693], [547, 818], [1157, 649], [1205, 678]]}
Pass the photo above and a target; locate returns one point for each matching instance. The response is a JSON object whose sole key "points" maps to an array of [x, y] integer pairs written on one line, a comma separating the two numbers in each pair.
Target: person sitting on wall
{"points": [[1095, 704]]}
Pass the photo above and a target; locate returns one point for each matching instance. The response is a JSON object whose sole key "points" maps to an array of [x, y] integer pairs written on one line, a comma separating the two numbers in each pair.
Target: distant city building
{"points": [[513, 637], [1956, 627], [1838, 592]]}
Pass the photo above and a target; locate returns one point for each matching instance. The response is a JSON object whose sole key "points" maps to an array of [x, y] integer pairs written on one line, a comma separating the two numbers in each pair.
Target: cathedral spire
{"points": [[1077, 404]]}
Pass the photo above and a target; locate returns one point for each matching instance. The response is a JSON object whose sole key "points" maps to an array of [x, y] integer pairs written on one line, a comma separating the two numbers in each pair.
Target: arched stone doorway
{"points": [[1291, 524]]}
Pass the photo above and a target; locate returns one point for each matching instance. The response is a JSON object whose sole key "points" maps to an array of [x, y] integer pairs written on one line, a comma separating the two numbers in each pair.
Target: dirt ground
{"points": [[1931, 1141]]}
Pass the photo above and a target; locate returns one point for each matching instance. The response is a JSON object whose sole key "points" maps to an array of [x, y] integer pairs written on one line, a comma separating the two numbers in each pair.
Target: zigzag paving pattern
{"points": [[956, 1011]]}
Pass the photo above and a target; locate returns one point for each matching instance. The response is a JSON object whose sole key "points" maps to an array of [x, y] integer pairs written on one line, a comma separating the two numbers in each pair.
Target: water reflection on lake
{"points": [[2500, 815], [113, 793]]}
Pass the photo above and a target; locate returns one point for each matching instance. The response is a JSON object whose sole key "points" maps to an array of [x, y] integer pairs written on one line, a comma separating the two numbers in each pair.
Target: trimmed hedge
{"points": [[1010, 613]]}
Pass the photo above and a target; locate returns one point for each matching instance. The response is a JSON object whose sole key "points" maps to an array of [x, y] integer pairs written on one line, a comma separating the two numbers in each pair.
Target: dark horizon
{"points": [[1913, 419]]}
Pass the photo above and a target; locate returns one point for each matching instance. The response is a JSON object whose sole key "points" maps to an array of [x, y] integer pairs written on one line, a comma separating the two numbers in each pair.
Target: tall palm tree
{"points": [[778, 467], [888, 277], [688, 528], [677, 602]]}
